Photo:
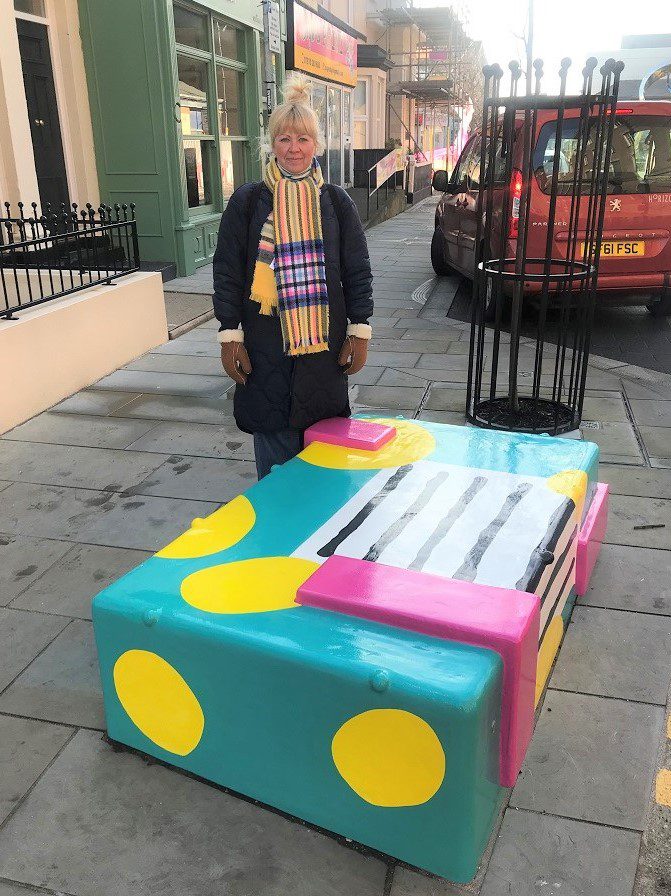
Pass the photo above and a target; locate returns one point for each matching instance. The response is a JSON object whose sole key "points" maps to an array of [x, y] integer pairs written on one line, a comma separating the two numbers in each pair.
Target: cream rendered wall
{"points": [[18, 180]]}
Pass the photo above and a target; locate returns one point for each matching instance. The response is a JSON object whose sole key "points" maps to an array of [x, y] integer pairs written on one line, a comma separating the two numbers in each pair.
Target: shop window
{"points": [[334, 143], [319, 105], [212, 106], [229, 41], [193, 100], [229, 102], [190, 28]]}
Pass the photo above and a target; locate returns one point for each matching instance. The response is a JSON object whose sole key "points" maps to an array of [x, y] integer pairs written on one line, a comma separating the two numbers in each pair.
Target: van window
{"points": [[640, 160]]}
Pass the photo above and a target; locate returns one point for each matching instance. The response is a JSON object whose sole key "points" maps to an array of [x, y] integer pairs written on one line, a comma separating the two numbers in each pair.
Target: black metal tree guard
{"points": [[569, 196]]}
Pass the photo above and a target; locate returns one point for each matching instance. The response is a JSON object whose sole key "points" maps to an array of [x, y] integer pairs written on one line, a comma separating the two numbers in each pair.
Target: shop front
{"points": [[325, 48], [177, 130]]}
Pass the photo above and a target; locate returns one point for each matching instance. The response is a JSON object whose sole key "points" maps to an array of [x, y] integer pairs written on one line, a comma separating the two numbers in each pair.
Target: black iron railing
{"points": [[46, 255]]}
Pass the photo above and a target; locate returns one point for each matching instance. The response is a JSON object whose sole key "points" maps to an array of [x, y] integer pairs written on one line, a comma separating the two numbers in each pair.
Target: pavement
{"points": [[93, 486]]}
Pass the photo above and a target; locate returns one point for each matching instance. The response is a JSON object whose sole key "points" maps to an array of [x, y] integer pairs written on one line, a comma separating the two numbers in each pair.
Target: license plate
{"points": [[621, 248]]}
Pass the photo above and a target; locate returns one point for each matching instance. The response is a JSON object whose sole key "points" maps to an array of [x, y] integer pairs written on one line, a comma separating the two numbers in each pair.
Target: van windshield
{"points": [[640, 160]]}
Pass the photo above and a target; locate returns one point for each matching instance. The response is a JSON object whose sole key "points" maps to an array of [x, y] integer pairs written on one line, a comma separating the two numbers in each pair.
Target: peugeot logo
{"points": [[616, 205]]}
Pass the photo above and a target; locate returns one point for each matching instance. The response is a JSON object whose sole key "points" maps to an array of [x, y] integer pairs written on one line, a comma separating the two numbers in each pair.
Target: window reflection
{"points": [[192, 75]]}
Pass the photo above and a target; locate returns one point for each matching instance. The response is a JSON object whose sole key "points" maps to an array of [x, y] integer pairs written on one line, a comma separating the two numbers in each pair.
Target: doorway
{"points": [[45, 128]]}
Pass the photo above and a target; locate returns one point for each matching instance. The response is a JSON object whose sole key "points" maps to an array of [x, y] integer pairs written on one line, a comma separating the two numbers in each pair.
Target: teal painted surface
{"points": [[276, 686]]}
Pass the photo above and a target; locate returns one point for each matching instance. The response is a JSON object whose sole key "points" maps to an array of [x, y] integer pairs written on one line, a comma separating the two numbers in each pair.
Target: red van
{"points": [[635, 266]]}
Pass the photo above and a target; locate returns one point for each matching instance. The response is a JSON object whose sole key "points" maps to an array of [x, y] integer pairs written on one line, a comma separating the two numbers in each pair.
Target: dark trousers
{"points": [[272, 448]]}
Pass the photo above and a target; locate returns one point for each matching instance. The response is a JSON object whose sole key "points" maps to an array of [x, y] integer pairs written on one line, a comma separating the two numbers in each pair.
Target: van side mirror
{"points": [[440, 181]]}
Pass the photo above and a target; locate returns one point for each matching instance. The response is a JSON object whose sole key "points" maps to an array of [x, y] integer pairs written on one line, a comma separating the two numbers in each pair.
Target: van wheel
{"points": [[660, 308], [438, 262]]}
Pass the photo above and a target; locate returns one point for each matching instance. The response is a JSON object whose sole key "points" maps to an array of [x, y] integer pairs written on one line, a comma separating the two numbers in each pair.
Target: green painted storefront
{"points": [[175, 91]]}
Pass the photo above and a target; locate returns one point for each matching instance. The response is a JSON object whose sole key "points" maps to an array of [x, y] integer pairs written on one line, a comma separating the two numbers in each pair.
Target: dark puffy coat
{"points": [[283, 392]]}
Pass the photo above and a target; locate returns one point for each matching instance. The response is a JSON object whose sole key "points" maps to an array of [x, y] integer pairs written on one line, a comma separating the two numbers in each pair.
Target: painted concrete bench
{"points": [[360, 639]]}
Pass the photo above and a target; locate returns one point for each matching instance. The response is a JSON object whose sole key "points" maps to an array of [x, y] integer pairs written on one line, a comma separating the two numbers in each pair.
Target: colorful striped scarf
{"points": [[290, 272]]}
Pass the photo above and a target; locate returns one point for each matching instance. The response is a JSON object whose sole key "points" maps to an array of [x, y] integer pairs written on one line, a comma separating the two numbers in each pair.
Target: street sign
{"points": [[274, 43]]}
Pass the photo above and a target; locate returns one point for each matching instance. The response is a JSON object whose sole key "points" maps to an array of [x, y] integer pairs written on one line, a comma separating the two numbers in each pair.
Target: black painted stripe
{"points": [[469, 568], [562, 592], [399, 524], [447, 522], [537, 565], [558, 565], [389, 486]]}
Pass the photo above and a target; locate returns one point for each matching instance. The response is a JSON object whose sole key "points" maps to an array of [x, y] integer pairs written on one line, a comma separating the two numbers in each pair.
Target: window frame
{"points": [[212, 60]]}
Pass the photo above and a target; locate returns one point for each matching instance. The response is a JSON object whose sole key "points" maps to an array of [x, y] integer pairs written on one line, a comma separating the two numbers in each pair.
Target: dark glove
{"points": [[353, 354], [235, 361]]}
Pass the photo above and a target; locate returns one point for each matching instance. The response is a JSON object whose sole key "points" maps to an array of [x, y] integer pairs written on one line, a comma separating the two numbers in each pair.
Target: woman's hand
{"points": [[235, 361], [353, 354]]}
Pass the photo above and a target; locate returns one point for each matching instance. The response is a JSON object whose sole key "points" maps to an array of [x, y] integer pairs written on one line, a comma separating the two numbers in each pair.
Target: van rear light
{"points": [[516, 195], [623, 111]]}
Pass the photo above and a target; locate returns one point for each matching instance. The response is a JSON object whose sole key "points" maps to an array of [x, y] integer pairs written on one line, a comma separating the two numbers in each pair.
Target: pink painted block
{"points": [[590, 538], [500, 619], [362, 434]]}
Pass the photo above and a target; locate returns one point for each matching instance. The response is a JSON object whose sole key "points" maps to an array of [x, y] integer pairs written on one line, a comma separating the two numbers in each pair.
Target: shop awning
{"points": [[426, 91]]}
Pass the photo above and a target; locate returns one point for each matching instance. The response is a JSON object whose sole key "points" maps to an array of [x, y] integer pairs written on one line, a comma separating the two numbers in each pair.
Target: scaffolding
{"points": [[435, 81]]}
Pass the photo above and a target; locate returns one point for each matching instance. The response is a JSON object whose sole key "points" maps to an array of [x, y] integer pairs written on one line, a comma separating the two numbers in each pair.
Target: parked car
{"points": [[635, 264]]}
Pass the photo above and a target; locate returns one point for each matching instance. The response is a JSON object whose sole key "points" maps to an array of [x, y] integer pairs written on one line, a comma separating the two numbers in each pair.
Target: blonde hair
{"points": [[296, 114]]}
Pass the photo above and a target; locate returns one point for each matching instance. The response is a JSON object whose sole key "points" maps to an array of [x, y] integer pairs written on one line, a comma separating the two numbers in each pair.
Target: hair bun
{"points": [[297, 91]]}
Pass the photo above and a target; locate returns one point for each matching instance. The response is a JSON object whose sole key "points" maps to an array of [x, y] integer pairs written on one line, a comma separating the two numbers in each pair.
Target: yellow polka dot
{"points": [[220, 530], [547, 653], [411, 443], [159, 701], [663, 787], [248, 586], [573, 484], [389, 757]]}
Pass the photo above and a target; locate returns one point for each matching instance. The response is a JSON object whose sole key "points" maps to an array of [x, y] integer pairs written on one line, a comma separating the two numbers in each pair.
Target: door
{"points": [[452, 206], [45, 129], [468, 211]]}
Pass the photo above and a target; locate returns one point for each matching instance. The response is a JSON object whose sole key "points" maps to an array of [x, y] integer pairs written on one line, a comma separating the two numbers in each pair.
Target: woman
{"points": [[290, 270]]}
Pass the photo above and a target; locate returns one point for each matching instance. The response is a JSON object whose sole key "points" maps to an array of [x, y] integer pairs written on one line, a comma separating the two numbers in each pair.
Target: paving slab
{"points": [[393, 359], [403, 397], [449, 361], [408, 882], [69, 586], [394, 377], [197, 440], [645, 482], [437, 334], [171, 363], [80, 515], [605, 410], [430, 346], [28, 747], [628, 578], [182, 307], [651, 413], [199, 478], [455, 418], [199, 348], [79, 429], [614, 439], [22, 636], [171, 834], [638, 390], [23, 560], [591, 758], [62, 684], [89, 401], [661, 462], [628, 514], [165, 383], [445, 399], [367, 376], [657, 440], [107, 469], [616, 653], [543, 854], [179, 408]]}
